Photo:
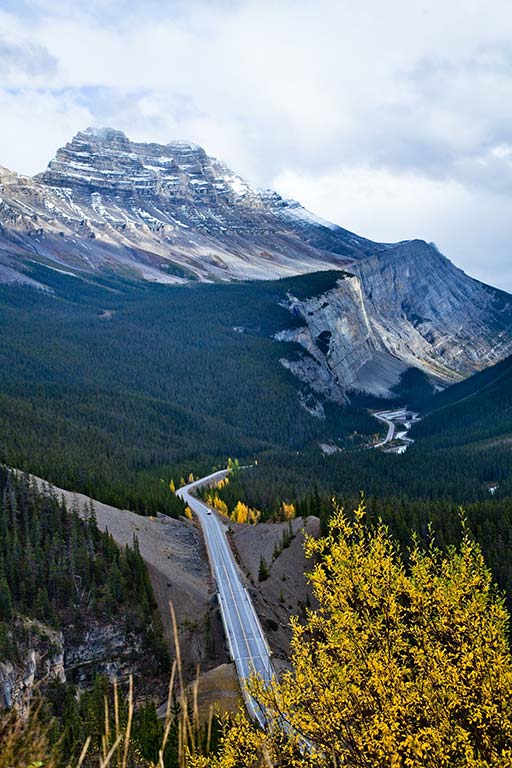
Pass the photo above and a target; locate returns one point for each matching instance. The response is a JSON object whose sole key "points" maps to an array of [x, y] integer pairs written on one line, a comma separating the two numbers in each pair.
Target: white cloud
{"points": [[403, 111], [37, 123], [388, 206]]}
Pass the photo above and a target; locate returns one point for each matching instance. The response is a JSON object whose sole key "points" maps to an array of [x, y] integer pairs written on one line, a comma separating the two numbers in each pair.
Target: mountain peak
{"points": [[184, 144], [102, 133], [104, 159], [108, 135], [167, 212]]}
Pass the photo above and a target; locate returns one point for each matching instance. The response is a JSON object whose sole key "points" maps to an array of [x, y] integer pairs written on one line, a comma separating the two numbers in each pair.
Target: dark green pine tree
{"points": [[263, 569], [6, 609]]}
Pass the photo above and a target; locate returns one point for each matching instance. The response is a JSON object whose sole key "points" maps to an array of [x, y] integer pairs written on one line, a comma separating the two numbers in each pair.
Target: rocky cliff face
{"points": [[405, 307], [75, 655], [38, 658]]}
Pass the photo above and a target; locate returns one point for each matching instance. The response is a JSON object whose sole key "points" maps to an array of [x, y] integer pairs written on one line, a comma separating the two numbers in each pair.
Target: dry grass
{"points": [[190, 728], [24, 743]]}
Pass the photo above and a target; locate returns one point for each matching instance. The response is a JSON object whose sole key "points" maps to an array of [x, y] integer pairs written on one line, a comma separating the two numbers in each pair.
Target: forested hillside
{"points": [[477, 411], [277, 481], [57, 568], [72, 604], [112, 388]]}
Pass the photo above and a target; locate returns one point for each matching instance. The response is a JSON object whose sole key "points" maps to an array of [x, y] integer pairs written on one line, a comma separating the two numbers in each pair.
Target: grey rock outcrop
{"points": [[76, 655], [39, 658], [102, 648], [405, 307]]}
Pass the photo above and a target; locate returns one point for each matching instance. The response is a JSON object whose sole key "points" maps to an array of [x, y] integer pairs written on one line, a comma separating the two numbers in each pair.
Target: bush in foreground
{"points": [[402, 665]]}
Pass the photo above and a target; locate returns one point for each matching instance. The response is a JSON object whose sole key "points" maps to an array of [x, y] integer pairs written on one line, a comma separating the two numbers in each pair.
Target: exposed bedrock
{"points": [[406, 306]]}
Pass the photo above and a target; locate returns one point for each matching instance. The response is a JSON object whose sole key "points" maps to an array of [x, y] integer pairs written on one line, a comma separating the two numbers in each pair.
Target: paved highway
{"points": [[246, 640], [398, 423], [384, 416]]}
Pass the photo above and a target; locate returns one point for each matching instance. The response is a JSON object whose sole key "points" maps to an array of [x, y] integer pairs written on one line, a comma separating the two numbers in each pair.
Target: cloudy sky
{"points": [[393, 118]]}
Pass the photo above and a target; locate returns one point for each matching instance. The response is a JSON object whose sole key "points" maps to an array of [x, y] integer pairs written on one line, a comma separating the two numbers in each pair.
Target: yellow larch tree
{"points": [[254, 516], [220, 505], [213, 500], [287, 511], [240, 513]]}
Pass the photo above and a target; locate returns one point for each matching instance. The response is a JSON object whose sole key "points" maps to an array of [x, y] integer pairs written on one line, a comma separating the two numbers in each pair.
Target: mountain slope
{"points": [[113, 208], [161, 212], [476, 412]]}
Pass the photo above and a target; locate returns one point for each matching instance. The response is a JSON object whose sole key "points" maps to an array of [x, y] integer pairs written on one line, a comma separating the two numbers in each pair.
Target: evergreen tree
{"points": [[6, 609], [263, 570]]}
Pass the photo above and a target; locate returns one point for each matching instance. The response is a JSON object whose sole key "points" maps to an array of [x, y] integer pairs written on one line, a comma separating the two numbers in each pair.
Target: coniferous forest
{"points": [[59, 575], [56, 567], [113, 389]]}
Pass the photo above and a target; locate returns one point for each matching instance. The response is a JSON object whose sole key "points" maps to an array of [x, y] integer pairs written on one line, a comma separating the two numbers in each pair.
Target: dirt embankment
{"points": [[285, 591], [177, 562]]}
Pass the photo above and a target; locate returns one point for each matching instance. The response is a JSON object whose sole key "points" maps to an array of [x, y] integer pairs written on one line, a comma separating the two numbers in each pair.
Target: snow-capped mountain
{"points": [[161, 212], [170, 213]]}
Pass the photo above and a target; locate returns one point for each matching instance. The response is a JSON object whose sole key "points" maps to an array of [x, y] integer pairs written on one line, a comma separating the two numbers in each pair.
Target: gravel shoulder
{"points": [[285, 591]]}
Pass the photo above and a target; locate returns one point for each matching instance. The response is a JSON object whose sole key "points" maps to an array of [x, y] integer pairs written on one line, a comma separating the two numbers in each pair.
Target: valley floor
{"points": [[399, 423]]}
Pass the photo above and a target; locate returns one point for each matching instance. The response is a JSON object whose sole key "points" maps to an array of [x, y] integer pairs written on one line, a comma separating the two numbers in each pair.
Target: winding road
{"points": [[246, 641], [398, 423]]}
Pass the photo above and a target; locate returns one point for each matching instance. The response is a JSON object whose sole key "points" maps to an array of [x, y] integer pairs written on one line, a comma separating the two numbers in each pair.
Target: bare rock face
{"points": [[337, 334], [404, 307], [38, 658], [101, 648], [426, 309], [76, 655]]}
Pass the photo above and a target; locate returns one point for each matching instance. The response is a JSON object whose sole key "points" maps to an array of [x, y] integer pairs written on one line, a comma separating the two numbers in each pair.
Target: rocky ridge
{"points": [[407, 307]]}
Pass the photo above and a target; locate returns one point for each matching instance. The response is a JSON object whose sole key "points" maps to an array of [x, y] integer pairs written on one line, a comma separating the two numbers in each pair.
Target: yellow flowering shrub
{"points": [[403, 664]]}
